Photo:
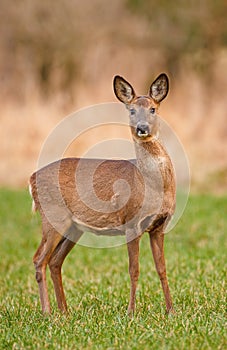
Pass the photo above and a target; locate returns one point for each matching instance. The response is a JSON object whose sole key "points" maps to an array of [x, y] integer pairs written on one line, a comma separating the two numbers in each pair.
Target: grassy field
{"points": [[97, 286]]}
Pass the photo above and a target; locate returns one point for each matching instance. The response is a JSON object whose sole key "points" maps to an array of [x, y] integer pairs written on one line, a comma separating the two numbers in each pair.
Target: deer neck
{"points": [[148, 154]]}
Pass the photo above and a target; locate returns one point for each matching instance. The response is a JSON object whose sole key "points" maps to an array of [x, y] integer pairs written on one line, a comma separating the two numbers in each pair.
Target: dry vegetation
{"points": [[58, 57]]}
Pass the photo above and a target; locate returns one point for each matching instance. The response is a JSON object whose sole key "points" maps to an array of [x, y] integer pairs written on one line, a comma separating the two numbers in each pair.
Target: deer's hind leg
{"points": [[55, 263], [49, 242]]}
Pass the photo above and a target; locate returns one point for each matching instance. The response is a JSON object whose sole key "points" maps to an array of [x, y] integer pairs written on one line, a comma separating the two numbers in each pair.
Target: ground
{"points": [[97, 286]]}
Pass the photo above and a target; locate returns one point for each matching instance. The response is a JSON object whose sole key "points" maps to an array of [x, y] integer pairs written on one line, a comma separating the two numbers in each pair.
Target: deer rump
{"points": [[105, 197]]}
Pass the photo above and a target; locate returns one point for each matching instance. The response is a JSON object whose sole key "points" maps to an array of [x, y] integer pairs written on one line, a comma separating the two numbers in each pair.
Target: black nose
{"points": [[142, 130]]}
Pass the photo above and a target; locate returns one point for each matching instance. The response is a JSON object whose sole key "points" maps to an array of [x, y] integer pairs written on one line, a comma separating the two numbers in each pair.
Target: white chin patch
{"points": [[142, 135]]}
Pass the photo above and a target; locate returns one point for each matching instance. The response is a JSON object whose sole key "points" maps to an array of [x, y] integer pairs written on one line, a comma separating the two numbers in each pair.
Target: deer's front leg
{"points": [[133, 253], [157, 246]]}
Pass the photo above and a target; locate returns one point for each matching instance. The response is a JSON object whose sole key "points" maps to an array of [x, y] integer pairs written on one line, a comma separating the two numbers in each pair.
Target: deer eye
{"points": [[132, 111], [152, 110]]}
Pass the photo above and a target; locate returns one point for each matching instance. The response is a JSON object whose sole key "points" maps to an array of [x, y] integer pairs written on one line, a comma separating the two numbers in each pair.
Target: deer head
{"points": [[142, 109]]}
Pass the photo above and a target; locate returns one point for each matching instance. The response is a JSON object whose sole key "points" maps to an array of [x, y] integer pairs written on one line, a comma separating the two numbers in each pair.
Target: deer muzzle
{"points": [[142, 130]]}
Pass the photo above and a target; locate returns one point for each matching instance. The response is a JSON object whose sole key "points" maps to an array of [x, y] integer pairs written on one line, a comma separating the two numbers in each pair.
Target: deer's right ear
{"points": [[123, 90]]}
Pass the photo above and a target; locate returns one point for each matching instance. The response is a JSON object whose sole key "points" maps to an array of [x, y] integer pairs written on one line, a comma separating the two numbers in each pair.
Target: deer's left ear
{"points": [[159, 88], [123, 90]]}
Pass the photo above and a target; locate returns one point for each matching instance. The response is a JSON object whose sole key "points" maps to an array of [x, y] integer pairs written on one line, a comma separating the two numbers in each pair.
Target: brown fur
{"points": [[148, 205]]}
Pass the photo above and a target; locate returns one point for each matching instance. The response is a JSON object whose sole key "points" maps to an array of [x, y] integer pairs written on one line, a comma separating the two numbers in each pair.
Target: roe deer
{"points": [[134, 197]]}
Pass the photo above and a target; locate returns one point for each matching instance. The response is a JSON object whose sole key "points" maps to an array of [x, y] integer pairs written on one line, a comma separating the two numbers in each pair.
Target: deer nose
{"points": [[142, 130]]}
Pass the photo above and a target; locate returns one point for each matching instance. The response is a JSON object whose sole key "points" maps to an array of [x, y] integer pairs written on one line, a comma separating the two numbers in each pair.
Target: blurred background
{"points": [[59, 56]]}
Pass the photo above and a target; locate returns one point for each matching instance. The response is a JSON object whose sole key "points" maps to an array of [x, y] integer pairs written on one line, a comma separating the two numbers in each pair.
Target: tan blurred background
{"points": [[59, 56]]}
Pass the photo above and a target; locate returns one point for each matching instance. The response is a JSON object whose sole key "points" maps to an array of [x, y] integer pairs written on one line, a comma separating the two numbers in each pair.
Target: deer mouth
{"points": [[142, 134], [142, 131]]}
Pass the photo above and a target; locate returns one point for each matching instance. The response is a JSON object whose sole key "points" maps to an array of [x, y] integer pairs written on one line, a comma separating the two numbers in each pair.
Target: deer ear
{"points": [[123, 90], [159, 88]]}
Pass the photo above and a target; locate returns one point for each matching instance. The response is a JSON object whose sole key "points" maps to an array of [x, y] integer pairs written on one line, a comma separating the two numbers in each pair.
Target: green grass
{"points": [[97, 286]]}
